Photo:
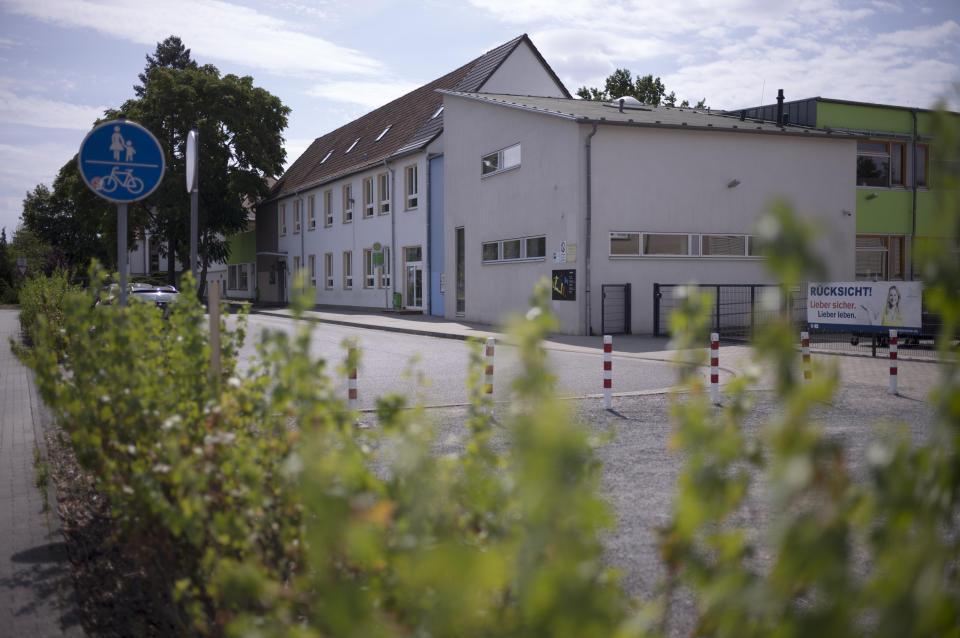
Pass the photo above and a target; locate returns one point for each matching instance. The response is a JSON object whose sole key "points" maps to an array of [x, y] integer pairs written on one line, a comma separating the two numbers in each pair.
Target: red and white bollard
{"points": [[893, 362], [607, 372], [352, 377], [714, 367], [488, 373], [805, 349]]}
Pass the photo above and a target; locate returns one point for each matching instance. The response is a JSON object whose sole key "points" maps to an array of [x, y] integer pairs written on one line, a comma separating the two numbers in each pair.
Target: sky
{"points": [[62, 62]]}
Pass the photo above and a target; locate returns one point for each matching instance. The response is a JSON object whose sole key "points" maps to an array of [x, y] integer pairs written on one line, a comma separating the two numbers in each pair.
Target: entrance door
{"points": [[414, 280], [413, 277]]}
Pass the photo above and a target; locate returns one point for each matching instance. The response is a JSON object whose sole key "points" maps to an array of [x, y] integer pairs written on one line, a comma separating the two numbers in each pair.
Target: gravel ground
{"points": [[640, 473], [639, 478]]}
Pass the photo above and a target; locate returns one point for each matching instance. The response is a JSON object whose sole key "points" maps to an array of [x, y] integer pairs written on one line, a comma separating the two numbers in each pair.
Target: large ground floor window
{"points": [[880, 257], [238, 276]]}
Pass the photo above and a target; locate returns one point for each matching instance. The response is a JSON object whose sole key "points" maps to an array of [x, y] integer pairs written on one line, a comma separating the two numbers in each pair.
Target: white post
{"points": [[352, 376], [714, 367], [607, 372], [488, 375], [893, 362], [213, 308], [805, 349]]}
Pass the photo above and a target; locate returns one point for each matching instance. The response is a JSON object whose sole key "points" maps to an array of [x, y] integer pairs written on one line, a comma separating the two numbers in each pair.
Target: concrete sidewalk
{"points": [[37, 596]]}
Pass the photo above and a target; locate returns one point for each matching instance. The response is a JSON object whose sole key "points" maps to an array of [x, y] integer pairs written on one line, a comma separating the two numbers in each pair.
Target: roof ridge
{"points": [[410, 120]]}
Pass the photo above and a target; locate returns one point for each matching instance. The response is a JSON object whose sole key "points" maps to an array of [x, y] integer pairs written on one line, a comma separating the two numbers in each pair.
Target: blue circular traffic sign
{"points": [[121, 161]]}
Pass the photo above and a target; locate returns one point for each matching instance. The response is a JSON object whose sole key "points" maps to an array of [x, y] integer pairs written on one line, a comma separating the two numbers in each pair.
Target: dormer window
{"points": [[327, 156], [351, 146], [384, 132], [437, 112]]}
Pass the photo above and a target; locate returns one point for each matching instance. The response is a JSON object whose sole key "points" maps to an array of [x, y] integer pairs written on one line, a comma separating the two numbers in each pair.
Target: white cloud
{"points": [[22, 169], [369, 94], [38, 111], [726, 49], [211, 28], [926, 36]]}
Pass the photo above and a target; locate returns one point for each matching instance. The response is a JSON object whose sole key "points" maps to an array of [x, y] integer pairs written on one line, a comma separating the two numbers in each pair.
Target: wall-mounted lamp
{"points": [[846, 212], [733, 183], [873, 195]]}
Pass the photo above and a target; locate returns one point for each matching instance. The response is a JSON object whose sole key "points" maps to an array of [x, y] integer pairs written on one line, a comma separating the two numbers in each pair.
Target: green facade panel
{"points": [[243, 248], [889, 213], [926, 206], [872, 118]]}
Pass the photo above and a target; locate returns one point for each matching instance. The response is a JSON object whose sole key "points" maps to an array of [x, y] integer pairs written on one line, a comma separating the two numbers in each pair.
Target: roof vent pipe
{"points": [[621, 104], [780, 107]]}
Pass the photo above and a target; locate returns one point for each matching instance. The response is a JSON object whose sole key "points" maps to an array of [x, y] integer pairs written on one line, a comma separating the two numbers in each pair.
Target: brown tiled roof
{"points": [[412, 126]]}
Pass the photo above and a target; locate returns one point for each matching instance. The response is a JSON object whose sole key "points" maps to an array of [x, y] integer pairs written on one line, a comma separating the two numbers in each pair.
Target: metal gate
{"points": [[615, 310]]}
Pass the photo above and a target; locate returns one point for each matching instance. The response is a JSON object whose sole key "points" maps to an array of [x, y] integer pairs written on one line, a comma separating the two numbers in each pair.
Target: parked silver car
{"points": [[160, 296]]}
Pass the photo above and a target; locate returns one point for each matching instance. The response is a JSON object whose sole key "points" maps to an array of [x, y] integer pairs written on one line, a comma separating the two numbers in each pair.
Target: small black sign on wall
{"points": [[565, 285]]}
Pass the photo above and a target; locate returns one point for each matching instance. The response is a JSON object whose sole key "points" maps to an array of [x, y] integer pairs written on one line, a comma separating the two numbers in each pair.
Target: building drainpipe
{"points": [[393, 234], [913, 226], [590, 135], [426, 257], [303, 228]]}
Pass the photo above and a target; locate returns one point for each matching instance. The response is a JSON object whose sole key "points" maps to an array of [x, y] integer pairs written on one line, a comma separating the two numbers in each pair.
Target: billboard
{"points": [[865, 306]]}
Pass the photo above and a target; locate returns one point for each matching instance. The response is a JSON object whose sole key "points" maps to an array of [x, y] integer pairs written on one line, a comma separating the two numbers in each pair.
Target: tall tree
{"points": [[646, 89], [73, 221], [170, 54], [240, 143]]}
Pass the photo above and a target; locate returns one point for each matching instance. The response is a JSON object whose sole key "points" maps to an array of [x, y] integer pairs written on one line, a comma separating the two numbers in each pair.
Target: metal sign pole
{"points": [[193, 233], [193, 188], [122, 250]]}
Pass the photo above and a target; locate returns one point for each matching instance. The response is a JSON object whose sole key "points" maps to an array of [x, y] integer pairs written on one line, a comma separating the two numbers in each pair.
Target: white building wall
{"points": [[667, 181], [359, 234], [522, 74], [644, 180], [540, 197]]}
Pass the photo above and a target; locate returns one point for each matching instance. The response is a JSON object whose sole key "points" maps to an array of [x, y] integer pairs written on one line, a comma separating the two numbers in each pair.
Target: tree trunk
{"points": [[171, 264]]}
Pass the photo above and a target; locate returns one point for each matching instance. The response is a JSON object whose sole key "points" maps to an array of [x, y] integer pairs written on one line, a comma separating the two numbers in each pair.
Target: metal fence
{"points": [[737, 310]]}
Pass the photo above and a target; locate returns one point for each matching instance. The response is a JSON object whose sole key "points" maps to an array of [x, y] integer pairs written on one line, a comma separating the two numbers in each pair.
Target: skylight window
{"points": [[351, 146], [327, 156], [379, 137], [437, 112]]}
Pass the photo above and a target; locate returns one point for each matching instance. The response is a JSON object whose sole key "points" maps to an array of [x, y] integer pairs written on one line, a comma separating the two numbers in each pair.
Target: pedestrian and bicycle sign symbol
{"points": [[121, 161]]}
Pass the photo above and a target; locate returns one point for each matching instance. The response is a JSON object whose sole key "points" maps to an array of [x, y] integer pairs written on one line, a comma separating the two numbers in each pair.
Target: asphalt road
{"points": [[433, 371]]}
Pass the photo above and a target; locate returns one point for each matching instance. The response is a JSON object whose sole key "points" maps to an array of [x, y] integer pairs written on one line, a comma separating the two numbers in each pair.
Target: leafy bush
{"points": [[265, 511], [42, 299]]}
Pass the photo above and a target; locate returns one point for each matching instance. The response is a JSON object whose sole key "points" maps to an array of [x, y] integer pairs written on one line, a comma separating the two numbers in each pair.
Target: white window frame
{"points": [[369, 272], [369, 206], [694, 246], [312, 261], [328, 208], [346, 194], [348, 270], [499, 243], [385, 268], [506, 159], [328, 271], [296, 216], [296, 266], [383, 190], [311, 212], [283, 218], [411, 187]]}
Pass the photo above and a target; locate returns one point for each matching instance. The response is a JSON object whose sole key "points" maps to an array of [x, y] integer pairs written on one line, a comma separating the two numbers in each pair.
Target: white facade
{"points": [[335, 249], [334, 241], [667, 182], [146, 258]]}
